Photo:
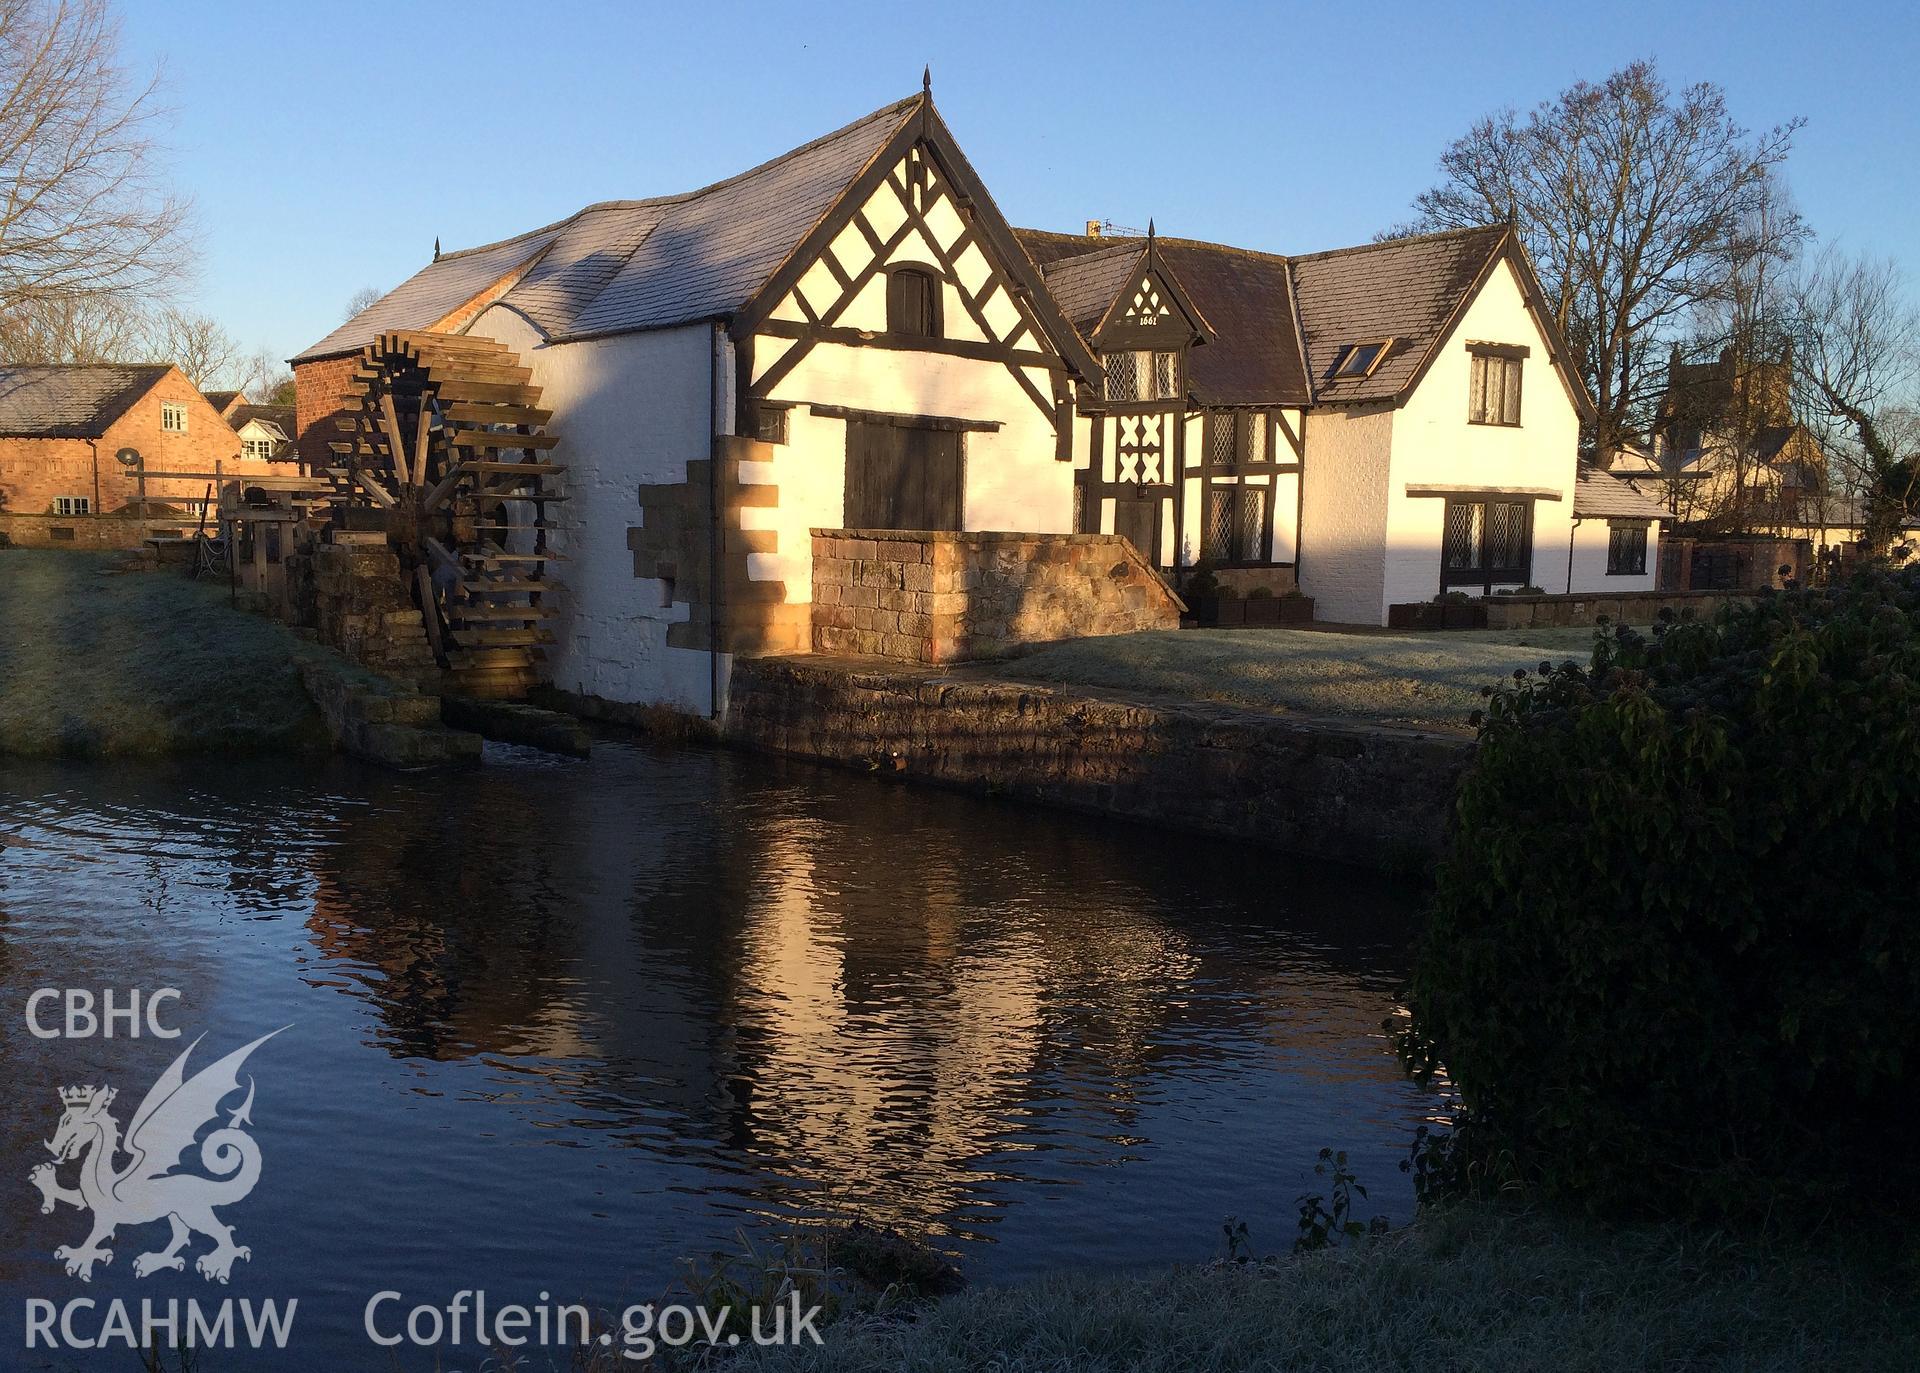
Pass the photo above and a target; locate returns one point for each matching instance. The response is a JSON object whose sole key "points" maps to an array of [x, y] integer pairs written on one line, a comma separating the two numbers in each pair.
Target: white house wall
{"points": [[629, 410], [1435, 446], [1590, 540], [1343, 515]]}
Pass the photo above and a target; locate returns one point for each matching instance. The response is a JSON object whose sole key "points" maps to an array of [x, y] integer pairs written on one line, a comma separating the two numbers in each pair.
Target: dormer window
{"points": [[913, 303], [1359, 359], [1141, 376]]}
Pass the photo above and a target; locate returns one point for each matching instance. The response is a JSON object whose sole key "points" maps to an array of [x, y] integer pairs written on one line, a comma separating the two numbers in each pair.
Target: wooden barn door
{"points": [[902, 477]]}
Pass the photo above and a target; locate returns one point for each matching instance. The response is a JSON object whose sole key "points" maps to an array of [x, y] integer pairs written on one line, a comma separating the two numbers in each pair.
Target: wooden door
{"points": [[1138, 519], [903, 477]]}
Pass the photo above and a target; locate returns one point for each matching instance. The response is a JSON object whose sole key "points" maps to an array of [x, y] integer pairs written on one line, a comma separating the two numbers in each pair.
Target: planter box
{"points": [[1234, 611], [1472, 615]]}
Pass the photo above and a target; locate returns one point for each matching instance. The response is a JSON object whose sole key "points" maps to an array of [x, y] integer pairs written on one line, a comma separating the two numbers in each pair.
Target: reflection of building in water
{"points": [[820, 989]]}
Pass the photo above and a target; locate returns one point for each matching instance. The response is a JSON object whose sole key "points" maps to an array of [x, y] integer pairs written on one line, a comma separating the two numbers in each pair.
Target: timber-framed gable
{"points": [[916, 208]]}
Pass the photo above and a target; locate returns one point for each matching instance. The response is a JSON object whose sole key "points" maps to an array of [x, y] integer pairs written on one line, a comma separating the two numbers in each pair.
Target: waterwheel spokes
{"points": [[448, 445]]}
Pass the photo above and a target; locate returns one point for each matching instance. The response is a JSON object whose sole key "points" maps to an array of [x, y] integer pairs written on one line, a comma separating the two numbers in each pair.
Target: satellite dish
{"points": [[128, 457]]}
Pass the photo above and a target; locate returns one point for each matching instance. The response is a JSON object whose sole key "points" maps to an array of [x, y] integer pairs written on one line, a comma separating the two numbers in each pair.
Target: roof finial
{"points": [[436, 247], [926, 81], [1513, 212], [1149, 228]]}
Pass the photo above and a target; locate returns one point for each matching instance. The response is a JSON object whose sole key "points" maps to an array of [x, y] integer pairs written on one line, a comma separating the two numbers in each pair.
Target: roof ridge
{"points": [[678, 197], [1434, 237], [81, 366]]}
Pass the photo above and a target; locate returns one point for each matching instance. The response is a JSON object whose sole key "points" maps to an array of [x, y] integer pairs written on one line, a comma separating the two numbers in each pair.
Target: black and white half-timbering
{"points": [[852, 336]]}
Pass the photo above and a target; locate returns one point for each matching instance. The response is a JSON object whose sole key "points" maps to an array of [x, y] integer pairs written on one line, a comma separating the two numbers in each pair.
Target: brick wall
{"points": [[953, 597], [35, 472], [86, 531], [319, 393]]}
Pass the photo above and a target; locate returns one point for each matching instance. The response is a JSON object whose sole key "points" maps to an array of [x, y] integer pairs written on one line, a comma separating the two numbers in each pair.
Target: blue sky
{"points": [[327, 146]]}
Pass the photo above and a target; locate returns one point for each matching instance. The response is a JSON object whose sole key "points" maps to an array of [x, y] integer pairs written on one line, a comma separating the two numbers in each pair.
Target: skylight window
{"points": [[1360, 359]]}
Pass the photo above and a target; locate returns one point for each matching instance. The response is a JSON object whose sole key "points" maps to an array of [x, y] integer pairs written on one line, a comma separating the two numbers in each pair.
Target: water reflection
{"points": [[593, 1015]]}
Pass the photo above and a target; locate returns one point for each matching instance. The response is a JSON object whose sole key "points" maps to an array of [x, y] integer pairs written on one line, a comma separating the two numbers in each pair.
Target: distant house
{"points": [[266, 431], [63, 429], [1374, 425], [1726, 453]]}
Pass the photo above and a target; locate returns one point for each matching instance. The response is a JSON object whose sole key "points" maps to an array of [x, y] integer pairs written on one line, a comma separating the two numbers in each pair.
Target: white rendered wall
{"points": [[629, 410], [1013, 481], [1590, 539], [1433, 445], [1343, 516]]}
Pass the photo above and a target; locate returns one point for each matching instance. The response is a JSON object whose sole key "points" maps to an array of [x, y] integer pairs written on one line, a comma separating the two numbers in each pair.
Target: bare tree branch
{"points": [[84, 214], [1633, 200]]}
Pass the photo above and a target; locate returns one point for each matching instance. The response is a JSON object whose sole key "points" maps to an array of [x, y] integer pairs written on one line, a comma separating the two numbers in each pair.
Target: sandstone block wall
{"points": [[933, 597], [353, 596], [1638, 608], [1352, 793]]}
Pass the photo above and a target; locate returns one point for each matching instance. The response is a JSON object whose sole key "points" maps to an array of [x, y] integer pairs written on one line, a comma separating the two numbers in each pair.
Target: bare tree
{"points": [[361, 299], [83, 212], [1857, 349], [74, 329], [196, 344], [266, 379], [1634, 201]]}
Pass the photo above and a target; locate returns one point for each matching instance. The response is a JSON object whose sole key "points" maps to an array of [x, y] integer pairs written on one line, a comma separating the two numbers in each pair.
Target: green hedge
{"points": [[1674, 960]]}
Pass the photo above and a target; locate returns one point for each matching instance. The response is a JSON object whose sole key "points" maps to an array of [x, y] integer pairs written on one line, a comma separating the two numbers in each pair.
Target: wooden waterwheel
{"points": [[447, 454]]}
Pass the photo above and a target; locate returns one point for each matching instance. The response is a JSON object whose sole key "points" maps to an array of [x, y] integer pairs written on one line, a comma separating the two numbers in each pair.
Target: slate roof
{"points": [[1247, 298], [1409, 289], [625, 266], [1085, 287], [1601, 495], [220, 400], [1281, 323], [70, 400]]}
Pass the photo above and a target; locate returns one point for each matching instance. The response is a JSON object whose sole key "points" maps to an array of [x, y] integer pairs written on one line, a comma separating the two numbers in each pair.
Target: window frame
{"points": [[171, 410], [1639, 532], [68, 506], [934, 300], [1486, 576], [1510, 360], [1343, 368], [1157, 368]]}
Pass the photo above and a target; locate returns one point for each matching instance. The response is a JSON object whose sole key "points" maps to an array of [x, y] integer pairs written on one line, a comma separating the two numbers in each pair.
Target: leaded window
{"points": [[1486, 543], [1627, 550], [1236, 524], [1141, 376], [1493, 395]]}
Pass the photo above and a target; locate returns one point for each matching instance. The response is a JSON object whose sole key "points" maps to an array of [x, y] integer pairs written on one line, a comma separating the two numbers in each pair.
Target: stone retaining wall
{"points": [[934, 597], [1348, 792], [1622, 607], [353, 595]]}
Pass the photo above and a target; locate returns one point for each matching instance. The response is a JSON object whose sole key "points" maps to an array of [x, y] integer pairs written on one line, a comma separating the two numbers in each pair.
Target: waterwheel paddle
{"points": [[448, 448]]}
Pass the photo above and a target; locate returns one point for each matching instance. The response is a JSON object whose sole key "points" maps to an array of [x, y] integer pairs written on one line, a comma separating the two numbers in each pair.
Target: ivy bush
{"points": [[1673, 965]]}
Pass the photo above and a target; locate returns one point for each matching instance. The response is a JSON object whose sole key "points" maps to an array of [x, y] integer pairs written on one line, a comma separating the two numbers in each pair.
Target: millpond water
{"points": [[556, 1026]]}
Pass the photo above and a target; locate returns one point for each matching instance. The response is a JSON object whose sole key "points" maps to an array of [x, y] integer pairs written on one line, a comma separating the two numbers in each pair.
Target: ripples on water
{"points": [[557, 1024]]}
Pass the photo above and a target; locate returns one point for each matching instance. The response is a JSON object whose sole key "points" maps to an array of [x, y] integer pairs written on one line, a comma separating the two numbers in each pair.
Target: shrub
{"points": [[1260, 593], [1674, 961]]}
